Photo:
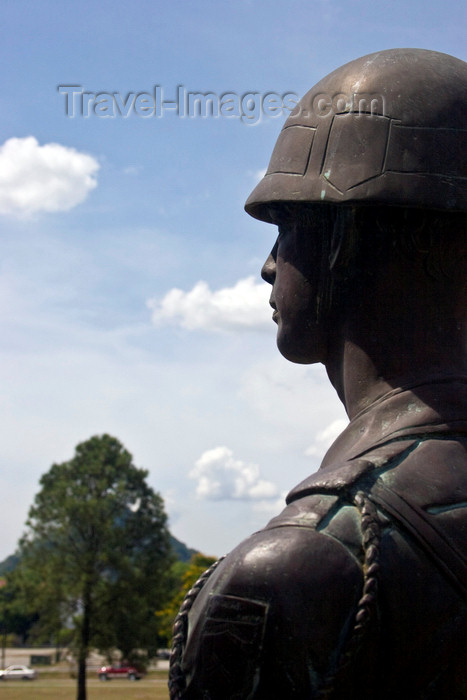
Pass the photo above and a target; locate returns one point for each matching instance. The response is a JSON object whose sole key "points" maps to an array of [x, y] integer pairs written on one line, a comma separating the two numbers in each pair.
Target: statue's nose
{"points": [[268, 271]]}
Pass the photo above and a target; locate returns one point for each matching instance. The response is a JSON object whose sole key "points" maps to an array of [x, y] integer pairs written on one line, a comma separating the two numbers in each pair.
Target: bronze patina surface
{"points": [[389, 128], [358, 589]]}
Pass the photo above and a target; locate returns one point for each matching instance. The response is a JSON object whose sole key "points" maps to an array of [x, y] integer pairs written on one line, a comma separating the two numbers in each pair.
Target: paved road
{"points": [[71, 683], [20, 655]]}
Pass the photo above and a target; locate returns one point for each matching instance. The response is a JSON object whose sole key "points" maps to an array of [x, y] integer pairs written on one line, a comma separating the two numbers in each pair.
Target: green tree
{"points": [[96, 551], [183, 576], [16, 617]]}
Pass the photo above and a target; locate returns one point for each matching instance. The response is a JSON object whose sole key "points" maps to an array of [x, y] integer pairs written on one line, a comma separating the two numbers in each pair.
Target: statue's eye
{"points": [[280, 214], [284, 230]]}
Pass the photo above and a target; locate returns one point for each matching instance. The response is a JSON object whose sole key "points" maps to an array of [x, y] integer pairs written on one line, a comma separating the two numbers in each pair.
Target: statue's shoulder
{"points": [[294, 581], [272, 562], [272, 565]]}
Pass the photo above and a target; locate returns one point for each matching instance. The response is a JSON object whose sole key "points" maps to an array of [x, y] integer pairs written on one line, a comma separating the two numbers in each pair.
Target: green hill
{"points": [[182, 552], [9, 564]]}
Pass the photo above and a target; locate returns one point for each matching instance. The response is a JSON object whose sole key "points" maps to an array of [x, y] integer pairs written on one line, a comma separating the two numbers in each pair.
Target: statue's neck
{"points": [[366, 363]]}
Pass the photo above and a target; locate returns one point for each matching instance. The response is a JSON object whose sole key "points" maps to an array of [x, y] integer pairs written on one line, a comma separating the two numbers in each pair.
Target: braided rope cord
{"points": [[366, 607], [177, 682]]}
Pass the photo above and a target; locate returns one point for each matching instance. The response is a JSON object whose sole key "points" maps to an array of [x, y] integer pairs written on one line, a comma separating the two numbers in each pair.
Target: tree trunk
{"points": [[81, 677], [3, 647], [84, 643]]}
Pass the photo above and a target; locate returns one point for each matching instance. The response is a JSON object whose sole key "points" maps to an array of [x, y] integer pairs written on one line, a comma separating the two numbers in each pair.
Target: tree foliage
{"points": [[15, 618], [96, 552], [183, 575]]}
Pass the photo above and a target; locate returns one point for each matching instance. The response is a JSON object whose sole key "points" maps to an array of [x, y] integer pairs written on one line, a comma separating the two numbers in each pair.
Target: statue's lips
{"points": [[275, 313]]}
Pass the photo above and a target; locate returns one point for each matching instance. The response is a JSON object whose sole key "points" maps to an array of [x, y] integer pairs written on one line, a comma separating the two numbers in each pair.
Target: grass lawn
{"points": [[153, 687]]}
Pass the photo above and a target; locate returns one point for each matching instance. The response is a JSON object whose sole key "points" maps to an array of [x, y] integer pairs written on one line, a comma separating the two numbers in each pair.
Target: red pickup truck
{"points": [[105, 673]]}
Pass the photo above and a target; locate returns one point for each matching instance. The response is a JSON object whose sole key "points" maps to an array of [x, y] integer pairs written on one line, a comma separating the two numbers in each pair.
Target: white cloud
{"points": [[221, 477], [36, 178], [326, 437], [132, 170], [243, 306]]}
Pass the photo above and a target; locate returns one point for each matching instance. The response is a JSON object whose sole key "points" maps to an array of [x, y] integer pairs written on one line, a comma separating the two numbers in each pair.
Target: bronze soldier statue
{"points": [[358, 589]]}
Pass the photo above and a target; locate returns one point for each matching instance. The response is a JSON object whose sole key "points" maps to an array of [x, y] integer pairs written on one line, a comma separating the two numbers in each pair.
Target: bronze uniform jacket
{"points": [[358, 589]]}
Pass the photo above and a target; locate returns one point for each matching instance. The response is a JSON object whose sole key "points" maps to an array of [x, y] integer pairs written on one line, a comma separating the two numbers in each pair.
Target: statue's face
{"points": [[293, 270]]}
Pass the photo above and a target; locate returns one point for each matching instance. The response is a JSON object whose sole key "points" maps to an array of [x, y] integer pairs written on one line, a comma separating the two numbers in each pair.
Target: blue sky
{"points": [[99, 231]]}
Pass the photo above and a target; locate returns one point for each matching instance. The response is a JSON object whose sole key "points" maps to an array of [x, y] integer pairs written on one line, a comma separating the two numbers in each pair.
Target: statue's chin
{"points": [[301, 348]]}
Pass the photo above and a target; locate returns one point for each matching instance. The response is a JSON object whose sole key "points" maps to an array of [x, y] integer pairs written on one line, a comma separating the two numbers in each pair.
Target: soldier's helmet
{"points": [[389, 128]]}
